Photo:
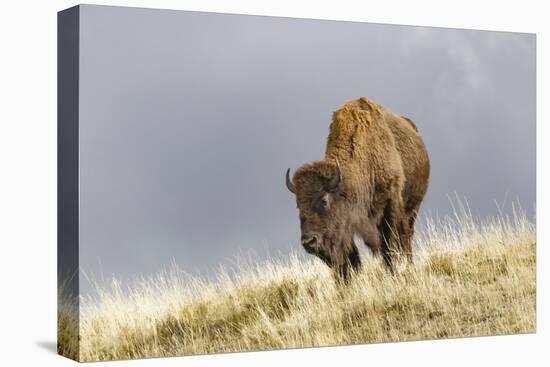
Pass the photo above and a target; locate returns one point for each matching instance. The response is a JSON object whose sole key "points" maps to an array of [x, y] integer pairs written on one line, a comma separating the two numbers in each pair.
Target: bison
{"points": [[370, 185]]}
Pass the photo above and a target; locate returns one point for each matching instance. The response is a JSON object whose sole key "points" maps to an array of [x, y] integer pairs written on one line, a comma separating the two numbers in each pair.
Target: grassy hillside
{"points": [[468, 279]]}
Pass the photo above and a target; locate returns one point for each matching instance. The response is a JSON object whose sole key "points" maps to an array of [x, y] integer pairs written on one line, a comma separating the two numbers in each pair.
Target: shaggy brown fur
{"points": [[370, 184]]}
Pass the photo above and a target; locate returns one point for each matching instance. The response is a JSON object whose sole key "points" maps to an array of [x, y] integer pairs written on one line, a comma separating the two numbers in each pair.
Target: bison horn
{"points": [[289, 183]]}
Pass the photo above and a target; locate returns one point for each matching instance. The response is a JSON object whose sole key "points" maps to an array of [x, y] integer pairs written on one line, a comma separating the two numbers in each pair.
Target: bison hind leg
{"points": [[411, 219]]}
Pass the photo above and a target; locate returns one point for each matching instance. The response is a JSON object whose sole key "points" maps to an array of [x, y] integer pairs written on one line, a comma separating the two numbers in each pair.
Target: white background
{"points": [[28, 181]]}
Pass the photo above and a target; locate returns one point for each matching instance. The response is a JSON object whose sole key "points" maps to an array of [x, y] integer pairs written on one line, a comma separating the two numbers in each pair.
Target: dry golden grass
{"points": [[468, 279]]}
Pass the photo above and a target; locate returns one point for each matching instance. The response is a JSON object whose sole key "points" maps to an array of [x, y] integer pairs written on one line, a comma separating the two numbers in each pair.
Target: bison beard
{"points": [[370, 185]]}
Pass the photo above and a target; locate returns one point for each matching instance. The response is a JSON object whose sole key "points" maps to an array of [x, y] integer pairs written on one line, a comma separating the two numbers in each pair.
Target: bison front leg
{"points": [[346, 261], [394, 229], [370, 234]]}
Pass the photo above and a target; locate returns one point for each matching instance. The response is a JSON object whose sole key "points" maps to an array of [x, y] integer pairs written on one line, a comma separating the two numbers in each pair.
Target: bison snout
{"points": [[310, 243]]}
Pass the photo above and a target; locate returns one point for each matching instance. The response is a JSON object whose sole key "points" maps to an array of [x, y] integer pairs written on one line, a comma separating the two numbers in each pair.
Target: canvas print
{"points": [[234, 183]]}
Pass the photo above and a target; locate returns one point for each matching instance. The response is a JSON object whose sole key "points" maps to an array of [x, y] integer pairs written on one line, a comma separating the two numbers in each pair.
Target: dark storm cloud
{"points": [[189, 121]]}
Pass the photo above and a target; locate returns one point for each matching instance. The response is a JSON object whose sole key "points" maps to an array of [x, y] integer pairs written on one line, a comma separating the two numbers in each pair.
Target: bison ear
{"points": [[335, 183]]}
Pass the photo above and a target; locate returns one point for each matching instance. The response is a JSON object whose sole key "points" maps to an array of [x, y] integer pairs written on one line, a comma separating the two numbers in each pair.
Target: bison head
{"points": [[324, 216]]}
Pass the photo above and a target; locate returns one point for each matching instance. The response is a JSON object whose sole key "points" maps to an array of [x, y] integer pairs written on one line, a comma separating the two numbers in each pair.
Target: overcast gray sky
{"points": [[189, 120]]}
